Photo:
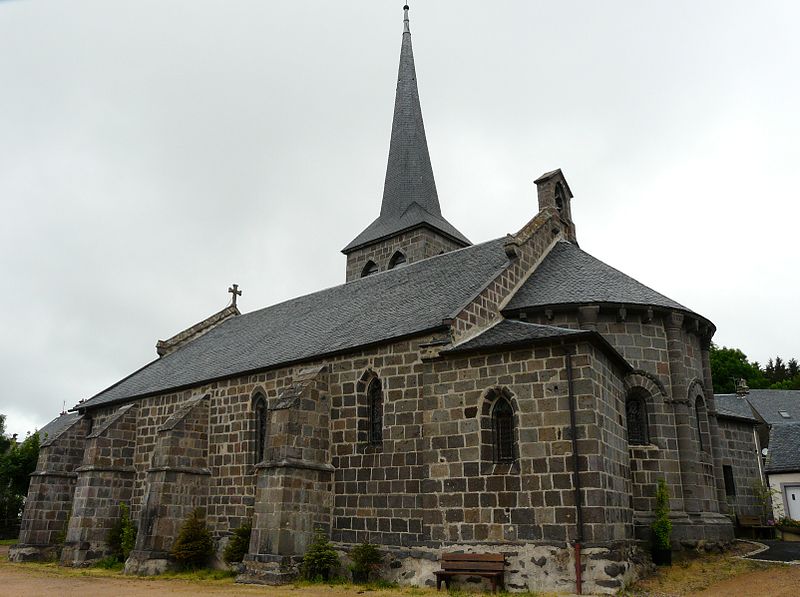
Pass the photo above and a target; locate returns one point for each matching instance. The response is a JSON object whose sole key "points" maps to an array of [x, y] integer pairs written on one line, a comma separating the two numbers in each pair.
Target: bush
{"points": [[320, 558], [194, 547], [238, 545], [366, 560], [122, 536], [789, 522], [662, 525]]}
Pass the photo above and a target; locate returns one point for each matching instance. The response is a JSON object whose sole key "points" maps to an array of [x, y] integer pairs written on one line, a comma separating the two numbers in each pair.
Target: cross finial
{"points": [[405, 20], [234, 290]]}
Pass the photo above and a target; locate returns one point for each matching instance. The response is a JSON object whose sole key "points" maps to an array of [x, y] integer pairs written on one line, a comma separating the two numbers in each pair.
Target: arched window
{"points": [[559, 197], [260, 414], [369, 269], [636, 415], [701, 421], [503, 430], [375, 406], [397, 260]]}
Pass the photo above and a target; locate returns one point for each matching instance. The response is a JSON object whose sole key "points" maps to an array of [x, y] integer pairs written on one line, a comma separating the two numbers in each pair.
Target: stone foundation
{"points": [[530, 567]]}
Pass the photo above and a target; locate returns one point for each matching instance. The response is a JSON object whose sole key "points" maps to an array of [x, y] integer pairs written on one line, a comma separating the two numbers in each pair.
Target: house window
{"points": [[503, 428], [727, 473], [375, 405], [397, 260], [636, 414], [260, 413]]}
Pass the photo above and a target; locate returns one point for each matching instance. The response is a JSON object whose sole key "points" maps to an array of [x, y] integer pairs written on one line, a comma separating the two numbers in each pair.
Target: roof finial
{"points": [[405, 20]]}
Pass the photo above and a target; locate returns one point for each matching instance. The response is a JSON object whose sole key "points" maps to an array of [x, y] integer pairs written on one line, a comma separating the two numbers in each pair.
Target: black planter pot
{"points": [[662, 557]]}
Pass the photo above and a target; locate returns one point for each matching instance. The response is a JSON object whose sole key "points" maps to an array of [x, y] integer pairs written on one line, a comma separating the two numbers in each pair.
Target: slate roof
{"points": [[768, 403], [784, 449], [568, 275], [731, 406], [409, 193], [391, 304], [57, 426], [510, 333]]}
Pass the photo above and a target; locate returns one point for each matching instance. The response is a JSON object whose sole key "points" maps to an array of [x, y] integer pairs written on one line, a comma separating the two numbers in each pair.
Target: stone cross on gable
{"points": [[234, 290]]}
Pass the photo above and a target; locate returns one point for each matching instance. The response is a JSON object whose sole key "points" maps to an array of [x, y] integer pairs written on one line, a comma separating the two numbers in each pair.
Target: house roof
{"points": [[769, 404], [57, 426], [510, 333], [381, 307], [410, 199], [568, 275], [784, 449], [731, 406]]}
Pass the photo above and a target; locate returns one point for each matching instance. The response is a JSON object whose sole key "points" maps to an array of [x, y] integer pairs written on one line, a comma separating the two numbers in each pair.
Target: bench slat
{"points": [[489, 566], [473, 557]]}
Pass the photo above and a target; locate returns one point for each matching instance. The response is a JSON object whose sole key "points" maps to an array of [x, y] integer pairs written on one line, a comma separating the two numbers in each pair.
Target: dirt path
{"points": [[779, 582]]}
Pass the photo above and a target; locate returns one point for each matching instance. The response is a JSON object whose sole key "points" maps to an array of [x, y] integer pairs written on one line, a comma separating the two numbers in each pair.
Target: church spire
{"points": [[409, 193], [409, 175]]}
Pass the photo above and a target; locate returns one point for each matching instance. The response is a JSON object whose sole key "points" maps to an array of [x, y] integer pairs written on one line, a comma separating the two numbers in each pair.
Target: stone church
{"points": [[515, 395]]}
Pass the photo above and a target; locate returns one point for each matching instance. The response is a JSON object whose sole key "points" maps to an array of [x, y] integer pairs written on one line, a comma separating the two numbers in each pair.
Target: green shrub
{"points": [[789, 522], [194, 546], [366, 561], [238, 545], [110, 563], [662, 525], [320, 558], [122, 536]]}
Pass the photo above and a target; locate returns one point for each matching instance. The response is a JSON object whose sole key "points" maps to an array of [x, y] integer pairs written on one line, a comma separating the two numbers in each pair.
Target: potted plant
{"points": [[662, 527], [366, 560]]}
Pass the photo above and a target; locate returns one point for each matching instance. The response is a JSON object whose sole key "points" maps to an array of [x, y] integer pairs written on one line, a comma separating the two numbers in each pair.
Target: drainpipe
{"points": [[576, 479]]}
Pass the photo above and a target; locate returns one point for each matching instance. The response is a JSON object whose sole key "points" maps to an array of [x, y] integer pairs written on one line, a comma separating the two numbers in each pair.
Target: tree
{"points": [[17, 462], [729, 365]]}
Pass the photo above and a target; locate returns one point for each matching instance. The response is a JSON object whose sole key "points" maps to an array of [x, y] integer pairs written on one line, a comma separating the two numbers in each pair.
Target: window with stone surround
{"points": [[397, 260], [636, 416], [260, 415], [701, 422], [498, 430], [503, 427], [559, 197], [370, 268], [727, 474], [375, 406]]}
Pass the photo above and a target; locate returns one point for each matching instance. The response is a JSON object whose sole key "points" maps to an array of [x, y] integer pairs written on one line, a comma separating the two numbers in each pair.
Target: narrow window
{"points": [[636, 414], [260, 413], [369, 269], [559, 196], [397, 260], [699, 415], [503, 427], [727, 473], [375, 405]]}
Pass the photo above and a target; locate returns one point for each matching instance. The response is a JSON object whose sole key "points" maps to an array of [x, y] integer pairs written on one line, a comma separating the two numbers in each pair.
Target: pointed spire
{"points": [[409, 175], [409, 191]]}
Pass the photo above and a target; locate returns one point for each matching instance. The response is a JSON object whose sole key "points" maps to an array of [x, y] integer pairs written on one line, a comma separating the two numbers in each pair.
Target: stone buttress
{"points": [[105, 480], [294, 479], [50, 495], [177, 483]]}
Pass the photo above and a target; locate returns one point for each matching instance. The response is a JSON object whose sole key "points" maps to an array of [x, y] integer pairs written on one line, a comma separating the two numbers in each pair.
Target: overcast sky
{"points": [[152, 153]]}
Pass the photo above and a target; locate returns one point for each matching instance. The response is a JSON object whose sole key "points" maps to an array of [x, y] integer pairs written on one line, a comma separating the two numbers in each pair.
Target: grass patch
{"points": [[8, 541], [695, 573], [200, 575]]}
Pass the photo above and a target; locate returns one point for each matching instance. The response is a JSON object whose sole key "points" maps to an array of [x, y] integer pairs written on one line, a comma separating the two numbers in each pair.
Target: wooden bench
{"points": [[756, 528], [487, 565]]}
